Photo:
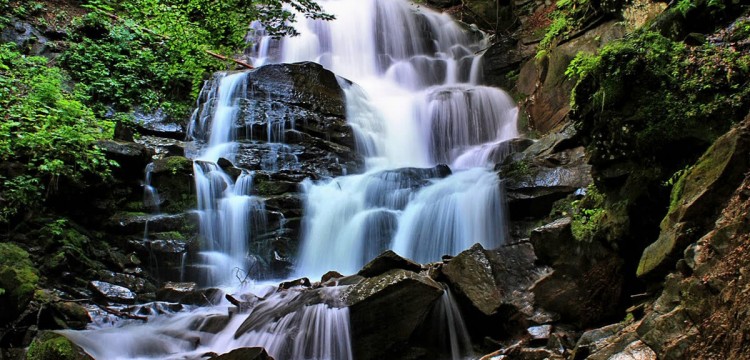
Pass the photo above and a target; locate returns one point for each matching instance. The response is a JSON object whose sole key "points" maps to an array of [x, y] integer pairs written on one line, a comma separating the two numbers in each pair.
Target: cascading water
{"points": [[417, 102]]}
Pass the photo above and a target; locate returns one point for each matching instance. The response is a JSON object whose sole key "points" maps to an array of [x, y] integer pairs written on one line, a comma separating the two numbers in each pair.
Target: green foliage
{"points": [[588, 215], [568, 17], [645, 93], [153, 53], [45, 130]]}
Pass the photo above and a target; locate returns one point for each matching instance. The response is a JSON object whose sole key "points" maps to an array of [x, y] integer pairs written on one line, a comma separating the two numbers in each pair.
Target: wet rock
{"points": [[188, 293], [163, 147], [132, 157], [386, 309], [470, 275], [112, 292], [249, 353], [696, 200], [126, 280], [172, 177], [392, 188], [135, 223], [301, 282], [157, 123], [212, 324], [387, 261], [331, 275], [49, 345]]}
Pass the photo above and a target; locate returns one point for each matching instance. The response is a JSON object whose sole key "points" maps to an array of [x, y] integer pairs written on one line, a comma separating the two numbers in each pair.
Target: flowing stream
{"points": [[415, 101]]}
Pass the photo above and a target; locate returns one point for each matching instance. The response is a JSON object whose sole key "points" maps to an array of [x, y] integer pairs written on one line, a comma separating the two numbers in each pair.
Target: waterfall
{"points": [[430, 133], [417, 101]]}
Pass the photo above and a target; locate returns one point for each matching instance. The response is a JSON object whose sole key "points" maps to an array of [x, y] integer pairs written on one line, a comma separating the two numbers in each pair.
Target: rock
{"points": [[301, 282], [331, 275], [387, 261], [172, 177], [696, 199], [132, 157], [157, 123], [546, 83], [213, 324], [585, 281], [164, 147], [126, 280], [18, 279], [392, 188], [248, 353], [188, 293], [70, 315], [48, 346], [541, 332], [386, 309], [112, 292], [292, 118], [470, 275], [25, 36], [135, 223], [546, 171]]}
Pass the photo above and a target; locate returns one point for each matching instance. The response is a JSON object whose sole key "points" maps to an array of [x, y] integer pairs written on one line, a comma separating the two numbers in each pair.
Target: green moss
{"points": [[51, 346], [169, 235], [18, 278], [639, 97], [588, 215], [179, 165]]}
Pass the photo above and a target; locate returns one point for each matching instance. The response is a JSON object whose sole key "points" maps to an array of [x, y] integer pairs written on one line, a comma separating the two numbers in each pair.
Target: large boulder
{"points": [[697, 198], [585, 281], [386, 309], [470, 275]]}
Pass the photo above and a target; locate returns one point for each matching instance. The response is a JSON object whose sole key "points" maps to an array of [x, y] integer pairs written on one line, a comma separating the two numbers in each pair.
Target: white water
{"points": [[418, 101], [315, 332]]}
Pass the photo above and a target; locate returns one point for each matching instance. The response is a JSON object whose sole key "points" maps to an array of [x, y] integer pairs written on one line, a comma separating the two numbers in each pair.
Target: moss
{"points": [[641, 98], [51, 346], [179, 165], [588, 215], [169, 235], [18, 279]]}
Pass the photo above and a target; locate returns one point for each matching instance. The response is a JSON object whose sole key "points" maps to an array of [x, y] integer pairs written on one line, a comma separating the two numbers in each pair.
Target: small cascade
{"points": [[151, 199], [444, 329], [285, 323]]}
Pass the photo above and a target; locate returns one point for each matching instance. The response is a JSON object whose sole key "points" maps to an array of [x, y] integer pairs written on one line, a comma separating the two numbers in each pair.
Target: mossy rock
{"points": [[18, 280], [52, 346], [697, 198]]}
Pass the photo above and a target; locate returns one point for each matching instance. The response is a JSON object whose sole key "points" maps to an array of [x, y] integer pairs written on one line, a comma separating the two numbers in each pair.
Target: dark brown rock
{"points": [[386, 309], [387, 261]]}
